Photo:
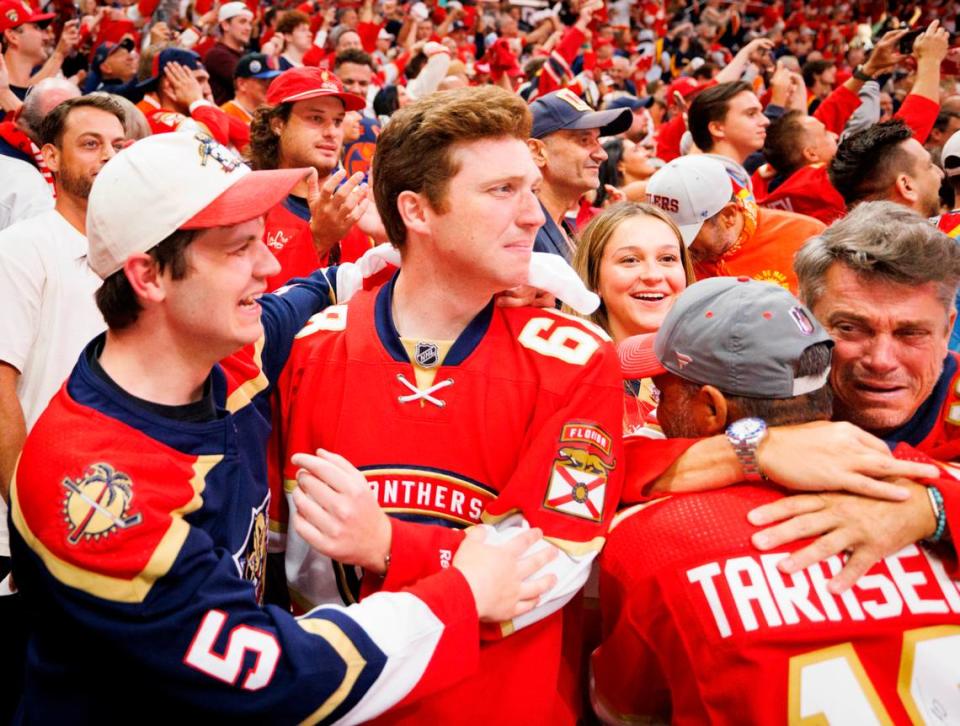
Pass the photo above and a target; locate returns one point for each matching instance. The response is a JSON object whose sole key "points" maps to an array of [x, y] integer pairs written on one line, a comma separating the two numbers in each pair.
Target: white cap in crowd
{"points": [[173, 181], [691, 189], [232, 10], [950, 156]]}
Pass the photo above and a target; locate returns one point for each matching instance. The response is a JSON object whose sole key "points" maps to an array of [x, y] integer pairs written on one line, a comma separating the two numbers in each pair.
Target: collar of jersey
{"points": [[462, 347], [922, 422], [297, 206]]}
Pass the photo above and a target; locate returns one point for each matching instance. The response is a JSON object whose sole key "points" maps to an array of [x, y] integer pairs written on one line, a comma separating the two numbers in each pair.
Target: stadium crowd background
{"points": [[673, 142]]}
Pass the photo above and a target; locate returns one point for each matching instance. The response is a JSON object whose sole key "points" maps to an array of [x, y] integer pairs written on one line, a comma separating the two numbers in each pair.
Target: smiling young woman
{"points": [[633, 256]]}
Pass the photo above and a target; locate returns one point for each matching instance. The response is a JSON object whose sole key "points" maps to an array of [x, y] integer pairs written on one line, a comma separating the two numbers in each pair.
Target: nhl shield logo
{"points": [[427, 355]]}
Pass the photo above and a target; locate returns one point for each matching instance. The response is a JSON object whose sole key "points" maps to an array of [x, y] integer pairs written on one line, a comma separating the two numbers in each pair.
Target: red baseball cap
{"points": [[14, 13], [301, 84]]}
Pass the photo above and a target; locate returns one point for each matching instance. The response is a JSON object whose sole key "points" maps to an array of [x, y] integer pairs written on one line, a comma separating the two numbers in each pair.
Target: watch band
{"points": [[745, 447], [861, 75]]}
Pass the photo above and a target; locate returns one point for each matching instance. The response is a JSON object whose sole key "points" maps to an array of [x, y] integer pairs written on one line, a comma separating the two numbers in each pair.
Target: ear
{"points": [[905, 187], [51, 157], [538, 150], [277, 125], [144, 277], [728, 216], [810, 155], [716, 129], [414, 211], [709, 411]]}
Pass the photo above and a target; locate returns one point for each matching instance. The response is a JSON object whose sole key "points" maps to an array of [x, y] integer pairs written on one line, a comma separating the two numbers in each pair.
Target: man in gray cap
{"points": [[693, 610], [565, 143]]}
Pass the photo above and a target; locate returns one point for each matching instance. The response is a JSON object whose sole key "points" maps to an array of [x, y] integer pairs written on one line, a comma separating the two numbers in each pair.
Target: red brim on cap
{"points": [[637, 359], [351, 101], [40, 18], [253, 196]]}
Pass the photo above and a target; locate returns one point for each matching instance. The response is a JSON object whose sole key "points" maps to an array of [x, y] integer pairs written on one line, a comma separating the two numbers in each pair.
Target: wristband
{"points": [[939, 511], [861, 75]]}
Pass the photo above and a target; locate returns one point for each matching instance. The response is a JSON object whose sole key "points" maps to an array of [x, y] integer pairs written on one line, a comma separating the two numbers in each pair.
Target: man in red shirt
{"points": [[301, 126], [179, 99], [236, 25], [693, 612]]}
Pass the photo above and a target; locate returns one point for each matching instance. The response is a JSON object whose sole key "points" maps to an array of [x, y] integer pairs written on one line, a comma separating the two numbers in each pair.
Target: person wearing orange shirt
{"points": [[722, 226], [250, 81]]}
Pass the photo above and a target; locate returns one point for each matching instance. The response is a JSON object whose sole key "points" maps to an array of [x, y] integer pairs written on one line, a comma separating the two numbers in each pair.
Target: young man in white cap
{"points": [[725, 230], [695, 614], [236, 25], [139, 505]]}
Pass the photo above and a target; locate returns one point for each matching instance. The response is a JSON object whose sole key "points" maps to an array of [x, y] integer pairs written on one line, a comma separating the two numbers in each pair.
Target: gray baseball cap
{"points": [[742, 336]]}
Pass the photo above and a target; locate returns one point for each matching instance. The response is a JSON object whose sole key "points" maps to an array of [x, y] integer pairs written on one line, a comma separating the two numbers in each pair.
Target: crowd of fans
{"points": [[754, 203]]}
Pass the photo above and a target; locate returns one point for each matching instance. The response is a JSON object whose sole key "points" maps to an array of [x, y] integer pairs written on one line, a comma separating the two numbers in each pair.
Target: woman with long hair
{"points": [[633, 257]]}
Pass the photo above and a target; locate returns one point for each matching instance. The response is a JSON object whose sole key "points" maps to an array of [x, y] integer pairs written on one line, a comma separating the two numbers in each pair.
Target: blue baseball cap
{"points": [[564, 109], [257, 65], [186, 58], [631, 102], [105, 50]]}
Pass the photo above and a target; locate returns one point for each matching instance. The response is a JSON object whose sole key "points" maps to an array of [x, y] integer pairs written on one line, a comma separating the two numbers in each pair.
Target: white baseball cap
{"points": [[691, 189], [173, 181], [232, 10], [950, 156]]}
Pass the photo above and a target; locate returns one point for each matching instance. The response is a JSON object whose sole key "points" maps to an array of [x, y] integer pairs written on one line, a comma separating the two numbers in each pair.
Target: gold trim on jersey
{"points": [[250, 388], [911, 639], [119, 589], [345, 648], [569, 546]]}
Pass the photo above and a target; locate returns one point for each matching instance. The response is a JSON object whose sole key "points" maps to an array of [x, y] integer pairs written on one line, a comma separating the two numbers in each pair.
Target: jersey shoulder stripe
{"points": [[101, 522]]}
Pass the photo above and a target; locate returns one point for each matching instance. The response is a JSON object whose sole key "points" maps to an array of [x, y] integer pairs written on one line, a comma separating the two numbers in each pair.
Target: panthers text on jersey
{"points": [[520, 426], [700, 627]]}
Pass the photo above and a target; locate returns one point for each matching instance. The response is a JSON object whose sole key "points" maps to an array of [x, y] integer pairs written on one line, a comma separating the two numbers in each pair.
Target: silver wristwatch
{"points": [[745, 436]]}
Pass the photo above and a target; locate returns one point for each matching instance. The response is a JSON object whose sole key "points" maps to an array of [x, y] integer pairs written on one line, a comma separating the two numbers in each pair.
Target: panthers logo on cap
{"points": [[97, 504], [210, 149], [255, 66], [12, 15]]}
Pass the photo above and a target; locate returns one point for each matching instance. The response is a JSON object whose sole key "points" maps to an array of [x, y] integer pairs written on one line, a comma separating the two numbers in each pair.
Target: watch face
{"points": [[747, 428]]}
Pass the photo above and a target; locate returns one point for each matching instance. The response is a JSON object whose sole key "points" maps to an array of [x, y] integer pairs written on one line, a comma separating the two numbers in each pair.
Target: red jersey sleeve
{"points": [[919, 113], [835, 110]]}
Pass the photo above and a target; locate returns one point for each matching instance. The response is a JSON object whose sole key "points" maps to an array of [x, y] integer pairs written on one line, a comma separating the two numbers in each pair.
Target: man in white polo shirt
{"points": [[46, 293]]}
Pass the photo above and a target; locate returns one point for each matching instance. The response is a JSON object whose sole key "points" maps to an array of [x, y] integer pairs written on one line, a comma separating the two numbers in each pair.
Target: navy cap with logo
{"points": [[564, 109], [739, 335], [257, 65]]}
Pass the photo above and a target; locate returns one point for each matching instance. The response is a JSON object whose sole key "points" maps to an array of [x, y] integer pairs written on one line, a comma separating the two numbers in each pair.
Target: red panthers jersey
{"points": [[287, 234], [522, 422], [700, 627]]}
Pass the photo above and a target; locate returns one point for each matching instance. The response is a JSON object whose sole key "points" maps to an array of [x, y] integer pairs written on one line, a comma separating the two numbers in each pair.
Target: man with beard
{"points": [[886, 162], [46, 289]]}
